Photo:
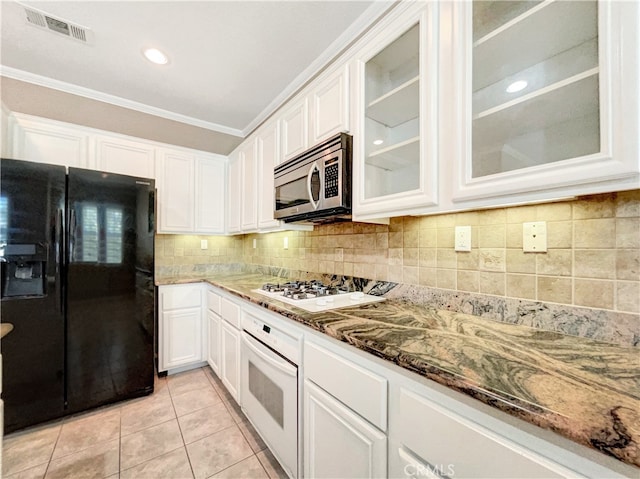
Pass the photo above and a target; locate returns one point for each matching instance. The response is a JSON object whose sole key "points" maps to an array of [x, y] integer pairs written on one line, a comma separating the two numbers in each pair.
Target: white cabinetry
{"points": [[181, 341], [191, 193], [48, 141], [214, 332], [249, 187], [395, 96], [176, 199], [345, 414], [329, 105], [338, 442], [243, 188], [210, 194], [268, 149], [230, 347], [295, 128], [545, 98], [125, 157]]}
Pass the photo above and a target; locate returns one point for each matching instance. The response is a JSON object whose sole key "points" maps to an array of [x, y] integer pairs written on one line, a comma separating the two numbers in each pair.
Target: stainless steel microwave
{"points": [[316, 185]]}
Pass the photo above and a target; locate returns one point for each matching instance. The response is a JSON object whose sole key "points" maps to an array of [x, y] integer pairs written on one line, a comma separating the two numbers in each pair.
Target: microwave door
{"points": [[292, 194]]}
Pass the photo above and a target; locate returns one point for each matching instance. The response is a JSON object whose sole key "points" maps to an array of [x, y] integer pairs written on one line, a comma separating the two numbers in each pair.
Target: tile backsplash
{"points": [[593, 256]]}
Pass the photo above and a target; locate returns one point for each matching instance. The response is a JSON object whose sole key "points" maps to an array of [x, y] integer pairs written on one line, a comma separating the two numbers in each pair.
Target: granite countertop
{"points": [[583, 389]]}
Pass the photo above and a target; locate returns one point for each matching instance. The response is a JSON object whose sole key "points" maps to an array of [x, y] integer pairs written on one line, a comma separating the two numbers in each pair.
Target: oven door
{"points": [[270, 399], [298, 191]]}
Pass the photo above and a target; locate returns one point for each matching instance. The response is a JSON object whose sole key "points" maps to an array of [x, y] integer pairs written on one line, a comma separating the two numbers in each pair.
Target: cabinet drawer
{"points": [[360, 389], [230, 312], [433, 432], [213, 301], [179, 297]]}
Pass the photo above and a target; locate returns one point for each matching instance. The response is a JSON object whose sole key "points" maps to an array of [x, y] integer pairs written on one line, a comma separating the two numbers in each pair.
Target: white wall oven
{"points": [[269, 385]]}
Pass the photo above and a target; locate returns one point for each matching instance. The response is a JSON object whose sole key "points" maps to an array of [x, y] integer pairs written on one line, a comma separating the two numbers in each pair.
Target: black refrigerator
{"points": [[77, 293]]}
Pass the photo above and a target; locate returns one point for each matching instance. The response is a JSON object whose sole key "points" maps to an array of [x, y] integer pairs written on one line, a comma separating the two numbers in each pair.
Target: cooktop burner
{"points": [[316, 296]]}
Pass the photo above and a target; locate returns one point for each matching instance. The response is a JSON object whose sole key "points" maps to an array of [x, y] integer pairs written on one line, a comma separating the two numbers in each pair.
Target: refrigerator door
{"points": [[32, 197], [110, 290]]}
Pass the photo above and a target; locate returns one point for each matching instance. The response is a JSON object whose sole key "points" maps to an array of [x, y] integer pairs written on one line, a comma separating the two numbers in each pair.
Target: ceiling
{"points": [[231, 62]]}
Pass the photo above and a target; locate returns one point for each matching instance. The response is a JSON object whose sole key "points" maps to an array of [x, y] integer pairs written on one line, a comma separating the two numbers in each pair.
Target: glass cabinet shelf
{"points": [[535, 84], [398, 106], [395, 156]]}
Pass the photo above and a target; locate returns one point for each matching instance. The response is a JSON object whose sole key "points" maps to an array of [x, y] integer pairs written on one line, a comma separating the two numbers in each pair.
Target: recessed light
{"points": [[378, 142], [517, 86], [155, 56]]}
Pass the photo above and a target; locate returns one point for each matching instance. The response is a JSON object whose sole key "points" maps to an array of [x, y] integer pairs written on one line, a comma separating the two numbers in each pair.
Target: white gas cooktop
{"points": [[315, 297]]}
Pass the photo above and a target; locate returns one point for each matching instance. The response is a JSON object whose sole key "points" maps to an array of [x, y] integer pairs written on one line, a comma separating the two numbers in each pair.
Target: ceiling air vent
{"points": [[63, 27]]}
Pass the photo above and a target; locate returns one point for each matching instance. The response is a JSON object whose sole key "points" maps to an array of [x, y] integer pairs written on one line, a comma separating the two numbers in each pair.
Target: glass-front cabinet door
{"points": [[545, 95], [396, 98]]}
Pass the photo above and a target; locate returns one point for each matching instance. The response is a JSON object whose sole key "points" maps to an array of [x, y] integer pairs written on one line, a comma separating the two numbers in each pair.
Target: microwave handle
{"points": [[313, 168]]}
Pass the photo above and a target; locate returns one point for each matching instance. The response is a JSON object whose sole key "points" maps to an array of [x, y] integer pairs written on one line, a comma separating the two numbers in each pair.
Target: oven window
{"points": [[292, 194], [268, 393]]}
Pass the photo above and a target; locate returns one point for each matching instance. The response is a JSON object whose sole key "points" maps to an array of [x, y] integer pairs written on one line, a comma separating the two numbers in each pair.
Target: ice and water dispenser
{"points": [[24, 270]]}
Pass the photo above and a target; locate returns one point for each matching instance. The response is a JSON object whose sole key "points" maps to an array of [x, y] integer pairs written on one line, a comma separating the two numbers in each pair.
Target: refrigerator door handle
{"points": [[72, 234], [59, 258]]}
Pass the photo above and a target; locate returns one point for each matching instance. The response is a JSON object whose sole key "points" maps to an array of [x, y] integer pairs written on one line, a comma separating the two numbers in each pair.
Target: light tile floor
{"points": [[188, 428]]}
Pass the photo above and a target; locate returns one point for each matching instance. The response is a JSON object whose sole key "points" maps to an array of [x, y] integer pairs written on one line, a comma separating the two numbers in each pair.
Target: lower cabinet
{"points": [[337, 441], [230, 361], [180, 331], [214, 336]]}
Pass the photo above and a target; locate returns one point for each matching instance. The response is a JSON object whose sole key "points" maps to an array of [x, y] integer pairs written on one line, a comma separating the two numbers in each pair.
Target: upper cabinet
{"points": [[191, 192], [544, 97], [48, 141], [329, 104], [295, 128], [395, 96], [249, 186], [268, 151], [125, 157]]}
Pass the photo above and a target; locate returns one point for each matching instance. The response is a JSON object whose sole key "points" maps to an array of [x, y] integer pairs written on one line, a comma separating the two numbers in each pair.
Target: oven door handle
{"points": [[282, 365]]}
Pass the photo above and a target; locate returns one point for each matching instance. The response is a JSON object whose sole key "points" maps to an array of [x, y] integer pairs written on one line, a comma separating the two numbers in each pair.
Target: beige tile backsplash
{"points": [[593, 256]]}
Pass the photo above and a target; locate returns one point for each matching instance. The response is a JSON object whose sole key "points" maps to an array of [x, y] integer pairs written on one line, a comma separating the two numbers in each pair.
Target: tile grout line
{"points": [[184, 444]]}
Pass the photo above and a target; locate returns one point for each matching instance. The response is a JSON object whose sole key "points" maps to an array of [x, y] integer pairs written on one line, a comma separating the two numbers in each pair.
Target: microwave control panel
{"points": [[331, 178]]}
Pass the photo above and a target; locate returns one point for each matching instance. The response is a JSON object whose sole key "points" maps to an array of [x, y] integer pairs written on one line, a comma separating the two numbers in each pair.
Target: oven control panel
{"points": [[270, 335]]}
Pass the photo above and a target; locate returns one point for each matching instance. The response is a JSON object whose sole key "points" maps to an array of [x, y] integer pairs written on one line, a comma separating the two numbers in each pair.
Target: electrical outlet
{"points": [[286, 242], [463, 238], [534, 237], [204, 244]]}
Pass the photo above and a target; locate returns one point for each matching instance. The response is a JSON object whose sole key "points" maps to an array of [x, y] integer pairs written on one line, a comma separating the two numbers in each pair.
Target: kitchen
{"points": [[510, 312]]}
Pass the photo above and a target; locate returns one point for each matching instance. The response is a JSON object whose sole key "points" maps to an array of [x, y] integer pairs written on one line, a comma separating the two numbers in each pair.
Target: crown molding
{"points": [[114, 100], [370, 16]]}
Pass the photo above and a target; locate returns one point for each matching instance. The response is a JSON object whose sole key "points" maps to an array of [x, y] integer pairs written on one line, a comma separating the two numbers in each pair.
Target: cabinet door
{"points": [[338, 442], [330, 106], [249, 186], [49, 142], [541, 106], [230, 363], [295, 129], [175, 192], [395, 145], [268, 158], [210, 195], [181, 338], [234, 197], [214, 346], [125, 157]]}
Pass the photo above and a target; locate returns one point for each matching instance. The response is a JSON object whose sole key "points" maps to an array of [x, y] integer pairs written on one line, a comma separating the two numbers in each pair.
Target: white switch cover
{"points": [[286, 242], [463, 238], [534, 237], [204, 244], [255, 243]]}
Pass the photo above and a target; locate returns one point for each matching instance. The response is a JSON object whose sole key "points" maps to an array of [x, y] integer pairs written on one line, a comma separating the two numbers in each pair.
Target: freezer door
{"points": [[110, 290], [32, 197]]}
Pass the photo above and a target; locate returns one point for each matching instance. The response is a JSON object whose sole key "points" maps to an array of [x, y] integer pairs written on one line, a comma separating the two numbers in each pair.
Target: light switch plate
{"points": [[463, 238], [255, 243], [204, 244], [534, 237], [286, 242]]}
